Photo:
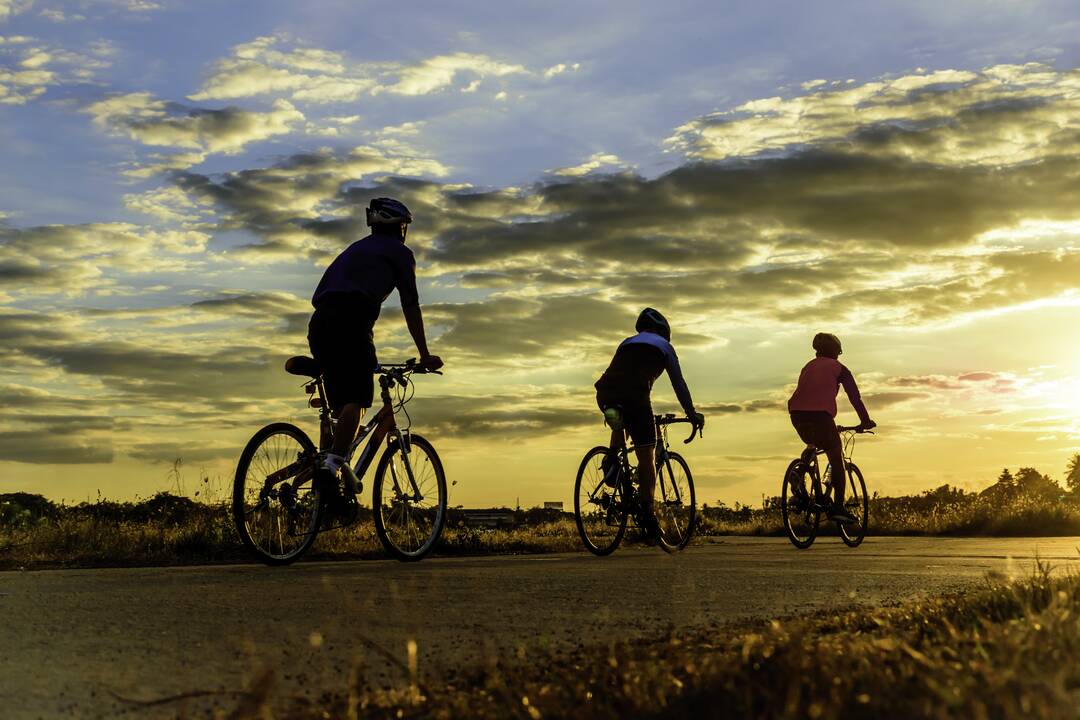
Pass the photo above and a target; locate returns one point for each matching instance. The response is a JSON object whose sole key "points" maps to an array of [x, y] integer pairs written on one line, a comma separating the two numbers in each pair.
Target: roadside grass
{"points": [[999, 651], [169, 529], [172, 530]]}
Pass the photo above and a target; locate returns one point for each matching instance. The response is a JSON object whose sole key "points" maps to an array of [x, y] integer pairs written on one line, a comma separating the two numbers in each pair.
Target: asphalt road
{"points": [[71, 642]]}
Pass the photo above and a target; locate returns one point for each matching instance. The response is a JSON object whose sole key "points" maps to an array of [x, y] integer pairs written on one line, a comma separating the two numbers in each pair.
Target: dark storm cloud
{"points": [[747, 406], [530, 328], [157, 452], [155, 374], [502, 415], [870, 210], [41, 447]]}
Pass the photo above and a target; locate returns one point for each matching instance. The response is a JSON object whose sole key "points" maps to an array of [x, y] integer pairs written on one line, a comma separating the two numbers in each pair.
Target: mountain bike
{"points": [[802, 507], [279, 506], [604, 506]]}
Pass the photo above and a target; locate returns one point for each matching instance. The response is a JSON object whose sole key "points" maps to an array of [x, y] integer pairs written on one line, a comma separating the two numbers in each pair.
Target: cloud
{"points": [[739, 240], [593, 162], [303, 205], [32, 67], [72, 259], [1004, 115], [531, 332], [154, 122], [559, 69], [53, 446], [11, 8], [276, 64], [437, 73], [530, 412]]}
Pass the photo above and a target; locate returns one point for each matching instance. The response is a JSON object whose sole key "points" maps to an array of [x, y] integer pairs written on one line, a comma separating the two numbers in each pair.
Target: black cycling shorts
{"points": [[341, 337], [637, 416]]}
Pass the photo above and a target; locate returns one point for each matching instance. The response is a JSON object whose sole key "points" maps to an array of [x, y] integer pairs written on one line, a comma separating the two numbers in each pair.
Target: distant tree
{"points": [[1032, 483], [1003, 490], [1072, 475]]}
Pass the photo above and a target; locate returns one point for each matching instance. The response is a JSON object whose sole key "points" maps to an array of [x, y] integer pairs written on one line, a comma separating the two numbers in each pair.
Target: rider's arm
{"points": [[410, 306], [414, 319], [852, 390], [682, 392]]}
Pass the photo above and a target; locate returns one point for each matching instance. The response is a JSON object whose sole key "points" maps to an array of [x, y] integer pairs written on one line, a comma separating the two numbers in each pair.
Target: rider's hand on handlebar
{"points": [[698, 419], [431, 362], [868, 425]]}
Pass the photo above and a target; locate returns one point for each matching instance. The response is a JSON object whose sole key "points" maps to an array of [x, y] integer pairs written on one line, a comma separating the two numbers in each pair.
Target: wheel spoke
{"points": [[409, 524], [276, 523]]}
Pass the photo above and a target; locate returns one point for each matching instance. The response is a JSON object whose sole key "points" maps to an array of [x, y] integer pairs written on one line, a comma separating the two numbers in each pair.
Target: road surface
{"points": [[71, 642]]}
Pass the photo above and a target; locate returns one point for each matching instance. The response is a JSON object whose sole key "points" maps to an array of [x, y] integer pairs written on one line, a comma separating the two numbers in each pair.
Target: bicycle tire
{"points": [[859, 505], [686, 528], [425, 479], [790, 511], [270, 501], [616, 509]]}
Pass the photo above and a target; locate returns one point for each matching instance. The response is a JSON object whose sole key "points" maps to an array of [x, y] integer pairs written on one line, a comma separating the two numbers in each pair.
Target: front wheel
{"points": [[599, 509], [801, 518], [675, 503], [409, 499], [858, 505], [276, 507]]}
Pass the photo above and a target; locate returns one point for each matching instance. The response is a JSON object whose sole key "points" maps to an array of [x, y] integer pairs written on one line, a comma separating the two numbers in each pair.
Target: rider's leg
{"points": [[834, 450], [345, 432], [382, 429], [618, 439], [646, 456]]}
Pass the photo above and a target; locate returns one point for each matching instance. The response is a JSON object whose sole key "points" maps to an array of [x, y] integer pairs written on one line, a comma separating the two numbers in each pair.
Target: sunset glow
{"points": [[176, 177]]}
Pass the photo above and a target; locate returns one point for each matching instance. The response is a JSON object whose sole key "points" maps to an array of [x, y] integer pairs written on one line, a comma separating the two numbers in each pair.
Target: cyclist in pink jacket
{"points": [[813, 412]]}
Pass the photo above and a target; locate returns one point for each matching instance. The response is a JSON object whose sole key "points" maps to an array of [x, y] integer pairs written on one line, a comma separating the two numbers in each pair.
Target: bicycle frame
{"points": [[663, 460], [821, 490], [389, 377]]}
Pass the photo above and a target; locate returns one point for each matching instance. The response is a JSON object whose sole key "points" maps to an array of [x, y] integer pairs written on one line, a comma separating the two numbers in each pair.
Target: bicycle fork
{"points": [[404, 441]]}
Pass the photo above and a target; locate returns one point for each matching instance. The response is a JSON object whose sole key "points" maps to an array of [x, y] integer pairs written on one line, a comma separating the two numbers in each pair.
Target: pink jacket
{"points": [[819, 382]]}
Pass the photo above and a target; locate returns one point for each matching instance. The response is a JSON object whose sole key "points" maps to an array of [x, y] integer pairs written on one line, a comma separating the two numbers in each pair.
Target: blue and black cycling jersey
{"points": [[368, 271], [638, 362]]}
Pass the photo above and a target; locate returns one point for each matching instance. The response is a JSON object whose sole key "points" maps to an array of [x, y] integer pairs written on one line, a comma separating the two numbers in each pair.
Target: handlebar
{"points": [[670, 419], [855, 429], [411, 366]]}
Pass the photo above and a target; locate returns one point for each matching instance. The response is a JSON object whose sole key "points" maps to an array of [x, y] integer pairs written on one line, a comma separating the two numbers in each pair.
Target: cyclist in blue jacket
{"points": [[626, 386]]}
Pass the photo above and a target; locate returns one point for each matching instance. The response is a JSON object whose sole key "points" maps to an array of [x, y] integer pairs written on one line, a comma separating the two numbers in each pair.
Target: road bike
{"points": [[802, 506], [279, 506], [604, 506]]}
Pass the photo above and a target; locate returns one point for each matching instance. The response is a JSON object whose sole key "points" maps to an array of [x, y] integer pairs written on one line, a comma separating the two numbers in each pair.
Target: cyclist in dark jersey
{"points": [[813, 409], [347, 302], [627, 385]]}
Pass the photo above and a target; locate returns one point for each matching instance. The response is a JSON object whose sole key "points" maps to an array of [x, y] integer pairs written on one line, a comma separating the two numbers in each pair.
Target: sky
{"points": [[176, 175]]}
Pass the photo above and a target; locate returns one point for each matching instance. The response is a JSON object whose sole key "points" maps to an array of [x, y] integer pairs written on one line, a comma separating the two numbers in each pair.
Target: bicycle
{"points": [[802, 508], [278, 507], [603, 506]]}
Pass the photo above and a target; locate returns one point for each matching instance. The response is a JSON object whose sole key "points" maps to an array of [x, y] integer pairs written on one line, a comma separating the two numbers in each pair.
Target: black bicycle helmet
{"points": [[827, 344], [388, 211], [651, 320]]}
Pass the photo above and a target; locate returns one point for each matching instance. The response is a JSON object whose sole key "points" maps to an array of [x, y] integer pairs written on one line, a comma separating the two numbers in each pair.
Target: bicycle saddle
{"points": [[303, 366]]}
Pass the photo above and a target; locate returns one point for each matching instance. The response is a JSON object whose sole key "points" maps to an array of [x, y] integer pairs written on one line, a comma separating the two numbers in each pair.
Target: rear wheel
{"points": [[675, 503], [858, 505], [276, 508], [800, 519], [599, 510], [409, 518]]}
